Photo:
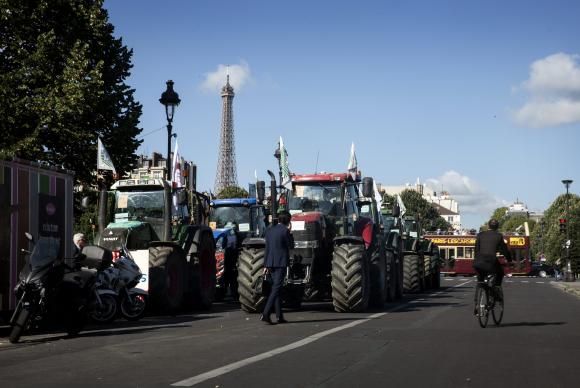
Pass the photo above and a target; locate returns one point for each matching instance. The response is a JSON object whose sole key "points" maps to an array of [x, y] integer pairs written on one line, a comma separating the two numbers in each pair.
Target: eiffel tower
{"points": [[226, 174]]}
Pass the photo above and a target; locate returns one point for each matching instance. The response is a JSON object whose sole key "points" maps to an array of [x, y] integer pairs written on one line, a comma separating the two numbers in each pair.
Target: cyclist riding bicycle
{"points": [[486, 263]]}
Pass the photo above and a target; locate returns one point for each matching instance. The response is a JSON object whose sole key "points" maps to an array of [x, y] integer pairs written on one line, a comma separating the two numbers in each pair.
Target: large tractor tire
{"points": [[378, 277], [350, 278], [428, 274], [400, 274], [167, 280], [250, 268], [391, 278], [412, 273], [436, 281], [202, 270]]}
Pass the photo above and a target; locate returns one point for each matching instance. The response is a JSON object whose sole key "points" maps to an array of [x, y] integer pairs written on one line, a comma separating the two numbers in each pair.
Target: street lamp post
{"points": [[569, 277], [277, 155], [170, 100]]}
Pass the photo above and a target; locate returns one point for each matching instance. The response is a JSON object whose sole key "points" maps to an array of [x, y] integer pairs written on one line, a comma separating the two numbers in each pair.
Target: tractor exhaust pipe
{"points": [[273, 195]]}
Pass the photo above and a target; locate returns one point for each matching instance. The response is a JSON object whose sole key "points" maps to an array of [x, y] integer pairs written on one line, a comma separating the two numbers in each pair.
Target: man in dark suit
{"points": [[279, 241]]}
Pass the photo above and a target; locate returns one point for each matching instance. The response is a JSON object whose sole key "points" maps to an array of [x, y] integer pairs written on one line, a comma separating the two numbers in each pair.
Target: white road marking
{"points": [[251, 360], [525, 281], [540, 282]]}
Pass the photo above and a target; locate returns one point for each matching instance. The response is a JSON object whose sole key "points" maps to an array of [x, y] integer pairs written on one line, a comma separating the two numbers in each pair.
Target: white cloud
{"points": [[471, 197], [554, 88], [239, 76]]}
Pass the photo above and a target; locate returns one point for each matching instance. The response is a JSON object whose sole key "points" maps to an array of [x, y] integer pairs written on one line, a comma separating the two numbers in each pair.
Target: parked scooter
{"points": [[122, 278], [52, 290]]}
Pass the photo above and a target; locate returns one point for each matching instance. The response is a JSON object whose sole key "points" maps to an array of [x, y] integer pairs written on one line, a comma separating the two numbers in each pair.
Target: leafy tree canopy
{"points": [[233, 192], [418, 206], [62, 84]]}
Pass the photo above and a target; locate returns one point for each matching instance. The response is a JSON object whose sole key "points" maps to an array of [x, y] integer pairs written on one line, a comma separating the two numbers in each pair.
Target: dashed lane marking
{"points": [[274, 352]]}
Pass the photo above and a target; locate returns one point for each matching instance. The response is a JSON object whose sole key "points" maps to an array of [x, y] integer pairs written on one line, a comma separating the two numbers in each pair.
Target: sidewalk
{"points": [[571, 287]]}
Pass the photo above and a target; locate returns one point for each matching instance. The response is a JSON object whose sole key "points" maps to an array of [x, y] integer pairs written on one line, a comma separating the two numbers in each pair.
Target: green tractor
{"points": [[165, 229]]}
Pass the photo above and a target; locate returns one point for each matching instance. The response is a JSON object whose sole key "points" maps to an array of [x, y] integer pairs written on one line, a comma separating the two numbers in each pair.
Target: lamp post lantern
{"points": [[569, 276], [170, 100]]}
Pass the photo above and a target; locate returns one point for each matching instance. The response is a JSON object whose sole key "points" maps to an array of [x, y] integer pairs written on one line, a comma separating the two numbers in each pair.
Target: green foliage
{"points": [[416, 205], [548, 236], [232, 192], [62, 84]]}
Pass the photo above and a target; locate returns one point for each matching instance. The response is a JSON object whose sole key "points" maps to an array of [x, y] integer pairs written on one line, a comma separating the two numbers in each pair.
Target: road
{"points": [[429, 340]]}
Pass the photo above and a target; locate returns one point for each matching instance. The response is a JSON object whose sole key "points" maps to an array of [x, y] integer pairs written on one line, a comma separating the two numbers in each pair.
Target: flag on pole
{"points": [[284, 164], [176, 168], [401, 205], [352, 163], [104, 161], [377, 195]]}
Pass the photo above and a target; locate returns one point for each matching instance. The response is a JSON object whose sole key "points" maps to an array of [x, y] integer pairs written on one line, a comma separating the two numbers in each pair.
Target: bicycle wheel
{"points": [[482, 311], [497, 311]]}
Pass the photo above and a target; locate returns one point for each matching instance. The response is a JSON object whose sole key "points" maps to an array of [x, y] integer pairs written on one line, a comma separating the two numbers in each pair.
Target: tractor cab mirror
{"points": [[261, 190], [85, 202], [367, 187], [396, 210]]}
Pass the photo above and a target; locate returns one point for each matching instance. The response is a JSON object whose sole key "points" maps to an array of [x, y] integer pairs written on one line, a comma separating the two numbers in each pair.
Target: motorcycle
{"points": [[122, 278], [55, 291]]}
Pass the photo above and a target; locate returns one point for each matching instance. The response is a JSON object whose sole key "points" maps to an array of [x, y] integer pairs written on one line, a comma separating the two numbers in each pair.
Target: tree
{"points": [[549, 237], [419, 206], [62, 84], [232, 192]]}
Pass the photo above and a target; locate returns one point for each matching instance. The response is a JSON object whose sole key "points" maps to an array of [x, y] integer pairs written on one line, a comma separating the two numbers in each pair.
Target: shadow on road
{"points": [[518, 324]]}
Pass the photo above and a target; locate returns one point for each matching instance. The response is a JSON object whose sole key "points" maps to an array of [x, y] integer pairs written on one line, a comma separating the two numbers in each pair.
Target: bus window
{"points": [[469, 252], [460, 252], [452, 253], [443, 253]]}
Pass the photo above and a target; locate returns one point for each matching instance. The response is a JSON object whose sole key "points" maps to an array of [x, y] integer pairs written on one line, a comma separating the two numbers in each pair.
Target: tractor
{"points": [[233, 220], [333, 244], [414, 266], [165, 229]]}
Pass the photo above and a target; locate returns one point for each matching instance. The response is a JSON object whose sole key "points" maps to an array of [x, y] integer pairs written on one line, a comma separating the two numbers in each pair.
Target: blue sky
{"points": [[480, 98]]}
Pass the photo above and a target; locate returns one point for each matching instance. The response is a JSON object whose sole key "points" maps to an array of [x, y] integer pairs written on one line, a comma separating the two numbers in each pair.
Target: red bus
{"points": [[457, 253]]}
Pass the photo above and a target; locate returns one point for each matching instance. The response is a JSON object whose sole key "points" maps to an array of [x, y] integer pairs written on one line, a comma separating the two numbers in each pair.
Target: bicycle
{"points": [[489, 298]]}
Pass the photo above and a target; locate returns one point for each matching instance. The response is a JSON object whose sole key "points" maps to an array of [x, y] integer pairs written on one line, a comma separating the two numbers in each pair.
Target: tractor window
{"points": [[230, 216], [315, 197], [137, 205]]}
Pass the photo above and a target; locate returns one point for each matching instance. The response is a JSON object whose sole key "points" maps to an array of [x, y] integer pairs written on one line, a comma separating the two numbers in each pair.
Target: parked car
{"points": [[542, 270]]}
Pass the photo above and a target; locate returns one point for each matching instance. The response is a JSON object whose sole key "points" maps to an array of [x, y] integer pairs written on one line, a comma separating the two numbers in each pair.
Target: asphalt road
{"points": [[429, 340]]}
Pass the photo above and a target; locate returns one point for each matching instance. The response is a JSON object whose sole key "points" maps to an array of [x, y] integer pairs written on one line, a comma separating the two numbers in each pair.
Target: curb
{"points": [[574, 290]]}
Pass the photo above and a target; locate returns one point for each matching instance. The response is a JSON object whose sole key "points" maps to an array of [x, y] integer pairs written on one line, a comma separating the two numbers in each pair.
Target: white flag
{"points": [[176, 169], [378, 196], [352, 163], [104, 161], [284, 164], [401, 205]]}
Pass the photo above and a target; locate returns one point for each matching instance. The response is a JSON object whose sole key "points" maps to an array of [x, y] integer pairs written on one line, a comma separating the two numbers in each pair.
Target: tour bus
{"points": [[457, 254]]}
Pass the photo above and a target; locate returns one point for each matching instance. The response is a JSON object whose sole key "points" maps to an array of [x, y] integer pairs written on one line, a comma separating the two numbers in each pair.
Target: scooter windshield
{"points": [[44, 253]]}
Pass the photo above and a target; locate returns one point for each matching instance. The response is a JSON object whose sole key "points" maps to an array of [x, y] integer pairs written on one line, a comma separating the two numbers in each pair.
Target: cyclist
{"points": [[486, 263]]}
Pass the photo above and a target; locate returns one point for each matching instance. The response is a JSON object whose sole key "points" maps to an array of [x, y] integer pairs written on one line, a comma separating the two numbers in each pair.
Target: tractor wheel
{"points": [[202, 269], [378, 276], [350, 278], [428, 274], [412, 273], [166, 278], [391, 279], [250, 268], [400, 274], [436, 282]]}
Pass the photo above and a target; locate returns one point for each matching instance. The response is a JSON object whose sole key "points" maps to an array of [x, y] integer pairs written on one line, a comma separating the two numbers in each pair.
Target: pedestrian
{"points": [[80, 241], [279, 241]]}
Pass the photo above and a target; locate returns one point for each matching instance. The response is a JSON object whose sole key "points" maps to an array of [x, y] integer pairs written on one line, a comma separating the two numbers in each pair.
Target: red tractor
{"points": [[333, 245]]}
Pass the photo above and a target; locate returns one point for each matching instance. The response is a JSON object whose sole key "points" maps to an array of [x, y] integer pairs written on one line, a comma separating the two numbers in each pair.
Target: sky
{"points": [[477, 98]]}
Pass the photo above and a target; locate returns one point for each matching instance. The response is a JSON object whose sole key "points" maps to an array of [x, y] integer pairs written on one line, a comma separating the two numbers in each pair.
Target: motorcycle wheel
{"points": [[106, 311], [133, 308], [19, 325]]}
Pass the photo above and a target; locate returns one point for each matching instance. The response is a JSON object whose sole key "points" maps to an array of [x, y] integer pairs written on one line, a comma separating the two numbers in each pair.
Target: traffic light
{"points": [[562, 225]]}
